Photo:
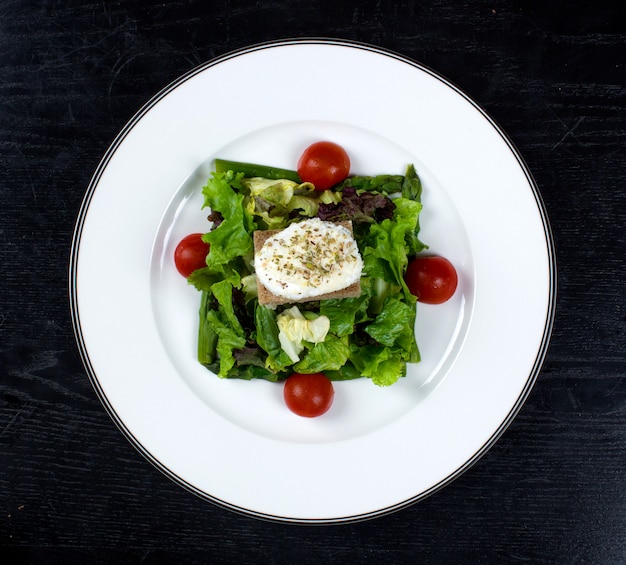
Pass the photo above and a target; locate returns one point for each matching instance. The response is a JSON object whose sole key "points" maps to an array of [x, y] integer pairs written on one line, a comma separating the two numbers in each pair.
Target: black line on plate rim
{"points": [[73, 287]]}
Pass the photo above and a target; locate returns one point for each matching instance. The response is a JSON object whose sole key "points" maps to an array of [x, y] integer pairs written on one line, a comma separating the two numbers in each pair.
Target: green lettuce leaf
{"points": [[383, 365], [384, 254], [345, 313], [266, 336], [406, 216], [346, 373], [224, 322], [394, 328], [248, 372], [203, 279], [223, 293], [227, 340], [330, 354]]}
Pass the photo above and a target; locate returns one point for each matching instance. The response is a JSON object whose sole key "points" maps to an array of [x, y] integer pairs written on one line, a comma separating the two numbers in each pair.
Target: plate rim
{"points": [[121, 136]]}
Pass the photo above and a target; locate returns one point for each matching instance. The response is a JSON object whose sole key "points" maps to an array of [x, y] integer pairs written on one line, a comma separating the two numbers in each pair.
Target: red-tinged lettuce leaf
{"points": [[367, 207]]}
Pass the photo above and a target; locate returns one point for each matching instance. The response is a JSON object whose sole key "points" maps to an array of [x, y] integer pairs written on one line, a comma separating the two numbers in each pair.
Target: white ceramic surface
{"points": [[234, 442]]}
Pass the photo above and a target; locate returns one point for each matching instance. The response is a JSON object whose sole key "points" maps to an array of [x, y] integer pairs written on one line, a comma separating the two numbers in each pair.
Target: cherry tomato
{"points": [[324, 164], [190, 254], [432, 279], [308, 395]]}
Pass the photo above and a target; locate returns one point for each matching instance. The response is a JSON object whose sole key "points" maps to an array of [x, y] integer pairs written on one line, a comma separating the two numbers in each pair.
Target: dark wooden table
{"points": [[552, 74]]}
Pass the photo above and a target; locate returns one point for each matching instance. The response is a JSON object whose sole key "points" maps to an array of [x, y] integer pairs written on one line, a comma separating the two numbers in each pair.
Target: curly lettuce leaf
{"points": [[275, 203], [231, 245], [203, 279], [389, 244], [294, 329], [268, 201], [406, 216], [224, 322], [385, 256]]}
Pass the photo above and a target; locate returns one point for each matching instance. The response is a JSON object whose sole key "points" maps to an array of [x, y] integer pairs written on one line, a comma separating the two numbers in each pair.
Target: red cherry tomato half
{"points": [[432, 279], [308, 395], [190, 254], [324, 164]]}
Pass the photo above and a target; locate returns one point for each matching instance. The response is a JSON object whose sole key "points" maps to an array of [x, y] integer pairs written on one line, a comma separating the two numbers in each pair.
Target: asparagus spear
{"points": [[207, 338], [252, 170]]}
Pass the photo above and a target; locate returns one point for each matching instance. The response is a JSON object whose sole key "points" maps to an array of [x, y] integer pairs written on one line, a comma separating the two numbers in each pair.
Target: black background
{"points": [[552, 74]]}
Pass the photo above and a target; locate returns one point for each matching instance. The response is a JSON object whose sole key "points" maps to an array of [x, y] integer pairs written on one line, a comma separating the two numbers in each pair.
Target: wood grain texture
{"points": [[552, 490]]}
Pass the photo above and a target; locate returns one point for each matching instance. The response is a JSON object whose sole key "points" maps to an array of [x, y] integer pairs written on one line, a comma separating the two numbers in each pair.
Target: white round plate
{"points": [[234, 442]]}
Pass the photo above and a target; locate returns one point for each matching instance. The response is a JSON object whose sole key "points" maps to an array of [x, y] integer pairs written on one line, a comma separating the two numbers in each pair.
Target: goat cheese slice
{"points": [[308, 259]]}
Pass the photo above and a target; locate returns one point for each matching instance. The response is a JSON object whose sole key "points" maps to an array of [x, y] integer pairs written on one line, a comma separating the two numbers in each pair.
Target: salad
{"points": [[363, 331]]}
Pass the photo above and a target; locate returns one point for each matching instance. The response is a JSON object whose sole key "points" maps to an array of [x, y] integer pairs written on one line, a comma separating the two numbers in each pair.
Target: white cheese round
{"points": [[308, 259]]}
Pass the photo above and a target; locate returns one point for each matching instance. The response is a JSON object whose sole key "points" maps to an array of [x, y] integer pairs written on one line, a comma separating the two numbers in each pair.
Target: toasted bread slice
{"points": [[268, 298]]}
